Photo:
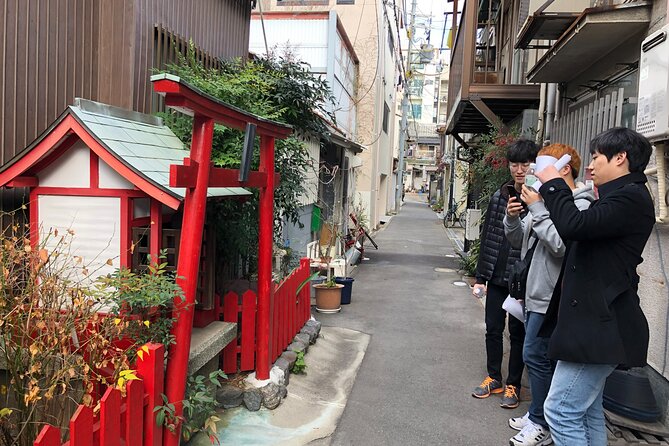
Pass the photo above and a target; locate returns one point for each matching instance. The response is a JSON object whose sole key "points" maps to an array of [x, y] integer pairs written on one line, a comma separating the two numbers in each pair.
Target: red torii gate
{"points": [[196, 175]]}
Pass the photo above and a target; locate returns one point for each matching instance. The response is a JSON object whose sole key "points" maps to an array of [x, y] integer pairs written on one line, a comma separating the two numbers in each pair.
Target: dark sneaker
{"points": [[488, 387], [510, 398]]}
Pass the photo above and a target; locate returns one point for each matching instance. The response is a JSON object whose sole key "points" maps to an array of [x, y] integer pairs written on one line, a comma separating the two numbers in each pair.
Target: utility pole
{"points": [[405, 114]]}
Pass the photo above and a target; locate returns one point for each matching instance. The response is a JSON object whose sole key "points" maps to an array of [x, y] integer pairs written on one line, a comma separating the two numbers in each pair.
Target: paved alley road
{"points": [[426, 351]]}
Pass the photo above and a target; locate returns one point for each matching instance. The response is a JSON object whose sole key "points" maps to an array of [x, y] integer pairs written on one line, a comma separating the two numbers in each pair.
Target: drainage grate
{"points": [[619, 436]]}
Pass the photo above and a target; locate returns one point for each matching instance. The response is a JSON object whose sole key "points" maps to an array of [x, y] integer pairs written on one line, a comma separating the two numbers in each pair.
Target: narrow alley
{"points": [[426, 351]]}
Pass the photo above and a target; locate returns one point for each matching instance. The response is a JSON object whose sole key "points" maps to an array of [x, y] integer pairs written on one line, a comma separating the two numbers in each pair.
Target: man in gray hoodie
{"points": [[537, 229]]}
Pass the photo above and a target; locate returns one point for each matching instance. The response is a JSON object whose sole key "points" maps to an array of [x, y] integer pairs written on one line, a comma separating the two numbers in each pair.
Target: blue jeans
{"points": [[539, 367], [573, 408]]}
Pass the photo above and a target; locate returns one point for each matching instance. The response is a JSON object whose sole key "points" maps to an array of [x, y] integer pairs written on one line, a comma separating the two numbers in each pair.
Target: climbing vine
{"points": [[277, 88]]}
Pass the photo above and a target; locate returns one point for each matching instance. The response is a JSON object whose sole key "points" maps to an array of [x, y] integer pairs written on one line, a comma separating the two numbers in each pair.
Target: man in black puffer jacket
{"points": [[496, 257]]}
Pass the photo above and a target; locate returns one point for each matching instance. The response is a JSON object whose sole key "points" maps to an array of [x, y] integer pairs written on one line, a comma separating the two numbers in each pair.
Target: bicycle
{"points": [[356, 239], [451, 217]]}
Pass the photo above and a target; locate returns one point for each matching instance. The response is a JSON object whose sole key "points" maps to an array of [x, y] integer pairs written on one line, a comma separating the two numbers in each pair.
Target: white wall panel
{"points": [[96, 225], [72, 169], [307, 39], [109, 179]]}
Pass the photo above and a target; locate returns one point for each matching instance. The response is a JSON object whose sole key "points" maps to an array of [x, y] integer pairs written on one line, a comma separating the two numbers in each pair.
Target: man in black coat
{"points": [[594, 320], [496, 256]]}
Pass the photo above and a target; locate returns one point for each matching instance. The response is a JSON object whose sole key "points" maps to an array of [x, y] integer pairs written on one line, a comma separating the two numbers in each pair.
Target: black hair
{"points": [[623, 140], [522, 151]]}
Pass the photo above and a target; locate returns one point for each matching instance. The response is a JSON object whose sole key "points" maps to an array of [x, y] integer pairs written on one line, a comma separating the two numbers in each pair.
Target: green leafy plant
{"points": [[488, 168], [166, 415], [143, 301], [300, 366], [199, 408], [200, 405], [469, 259], [277, 88]]}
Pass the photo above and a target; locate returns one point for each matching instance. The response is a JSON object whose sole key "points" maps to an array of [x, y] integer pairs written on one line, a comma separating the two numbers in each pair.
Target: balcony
{"points": [[478, 96], [592, 38]]}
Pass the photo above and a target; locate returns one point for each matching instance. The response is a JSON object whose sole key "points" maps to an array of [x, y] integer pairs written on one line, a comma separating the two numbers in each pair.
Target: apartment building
{"points": [[372, 28], [320, 40]]}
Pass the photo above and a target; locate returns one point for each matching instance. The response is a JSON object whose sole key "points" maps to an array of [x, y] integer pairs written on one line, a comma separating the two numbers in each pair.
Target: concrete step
{"points": [[207, 343]]}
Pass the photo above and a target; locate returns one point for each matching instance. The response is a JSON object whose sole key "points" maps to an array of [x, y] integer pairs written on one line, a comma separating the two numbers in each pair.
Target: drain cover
{"points": [[459, 283], [444, 270]]}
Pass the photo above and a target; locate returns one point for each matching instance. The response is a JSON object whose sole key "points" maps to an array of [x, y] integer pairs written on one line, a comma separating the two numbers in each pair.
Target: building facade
{"points": [[319, 39], [372, 29], [54, 51]]}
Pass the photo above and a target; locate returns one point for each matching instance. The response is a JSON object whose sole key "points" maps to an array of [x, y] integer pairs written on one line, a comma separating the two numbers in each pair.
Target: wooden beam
{"points": [[492, 118], [459, 139], [24, 182], [184, 176]]}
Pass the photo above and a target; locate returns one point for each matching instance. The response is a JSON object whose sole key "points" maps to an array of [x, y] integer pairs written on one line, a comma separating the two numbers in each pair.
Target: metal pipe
{"points": [[551, 90], [661, 182], [542, 112]]}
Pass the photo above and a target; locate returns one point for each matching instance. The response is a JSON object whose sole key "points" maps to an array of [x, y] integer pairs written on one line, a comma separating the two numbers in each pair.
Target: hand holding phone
{"points": [[515, 205], [512, 191]]}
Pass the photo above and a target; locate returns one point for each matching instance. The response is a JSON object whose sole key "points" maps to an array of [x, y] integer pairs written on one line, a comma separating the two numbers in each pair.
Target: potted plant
{"points": [[328, 296], [468, 261], [328, 293]]}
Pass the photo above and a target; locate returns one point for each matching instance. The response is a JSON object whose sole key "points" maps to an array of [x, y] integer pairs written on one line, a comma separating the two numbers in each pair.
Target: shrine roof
{"points": [[142, 141]]}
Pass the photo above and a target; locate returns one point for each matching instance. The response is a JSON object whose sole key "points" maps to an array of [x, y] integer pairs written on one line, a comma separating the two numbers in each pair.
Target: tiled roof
{"points": [[142, 142]]}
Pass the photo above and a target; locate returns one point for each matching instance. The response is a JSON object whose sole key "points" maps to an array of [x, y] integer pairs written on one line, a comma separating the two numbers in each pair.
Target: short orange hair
{"points": [[559, 150]]}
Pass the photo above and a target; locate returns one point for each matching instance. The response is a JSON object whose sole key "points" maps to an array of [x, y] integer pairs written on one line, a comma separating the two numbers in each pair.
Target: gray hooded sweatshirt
{"points": [[549, 251]]}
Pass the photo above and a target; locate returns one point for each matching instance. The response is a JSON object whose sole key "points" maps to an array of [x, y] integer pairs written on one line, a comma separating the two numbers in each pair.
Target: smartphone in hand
{"points": [[514, 193]]}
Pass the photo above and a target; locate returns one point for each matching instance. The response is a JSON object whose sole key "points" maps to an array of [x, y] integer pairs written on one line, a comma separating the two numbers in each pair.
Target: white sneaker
{"points": [[532, 435], [518, 423]]}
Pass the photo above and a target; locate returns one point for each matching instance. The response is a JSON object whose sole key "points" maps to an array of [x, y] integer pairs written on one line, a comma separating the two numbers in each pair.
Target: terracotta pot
{"points": [[328, 299]]}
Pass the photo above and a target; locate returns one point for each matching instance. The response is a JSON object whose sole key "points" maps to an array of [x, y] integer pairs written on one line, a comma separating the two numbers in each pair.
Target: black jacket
{"points": [[494, 245], [595, 317]]}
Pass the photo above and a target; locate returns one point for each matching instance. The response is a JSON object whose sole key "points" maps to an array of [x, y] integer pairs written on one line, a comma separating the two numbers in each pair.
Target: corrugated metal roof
{"points": [[142, 142]]}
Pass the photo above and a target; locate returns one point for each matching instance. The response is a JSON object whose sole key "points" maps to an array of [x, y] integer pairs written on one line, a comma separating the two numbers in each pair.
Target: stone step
{"points": [[208, 342]]}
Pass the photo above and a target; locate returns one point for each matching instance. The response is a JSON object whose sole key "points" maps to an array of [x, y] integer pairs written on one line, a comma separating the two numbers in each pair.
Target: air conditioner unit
{"points": [[653, 107]]}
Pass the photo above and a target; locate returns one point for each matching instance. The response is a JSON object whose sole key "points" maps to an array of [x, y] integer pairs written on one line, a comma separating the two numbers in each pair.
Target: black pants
{"points": [[495, 318]]}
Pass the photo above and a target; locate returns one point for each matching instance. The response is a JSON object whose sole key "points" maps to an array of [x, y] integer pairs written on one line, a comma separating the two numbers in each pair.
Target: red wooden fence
{"points": [[289, 311], [128, 421]]}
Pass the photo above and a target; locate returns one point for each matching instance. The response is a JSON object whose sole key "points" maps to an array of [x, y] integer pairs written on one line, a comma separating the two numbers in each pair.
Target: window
{"points": [[345, 2], [386, 115], [416, 111]]}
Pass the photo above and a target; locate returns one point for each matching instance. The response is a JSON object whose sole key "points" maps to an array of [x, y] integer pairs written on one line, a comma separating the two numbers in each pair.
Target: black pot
{"points": [[628, 393]]}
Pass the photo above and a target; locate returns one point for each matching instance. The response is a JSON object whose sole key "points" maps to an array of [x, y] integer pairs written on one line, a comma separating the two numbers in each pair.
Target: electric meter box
{"points": [[653, 107]]}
